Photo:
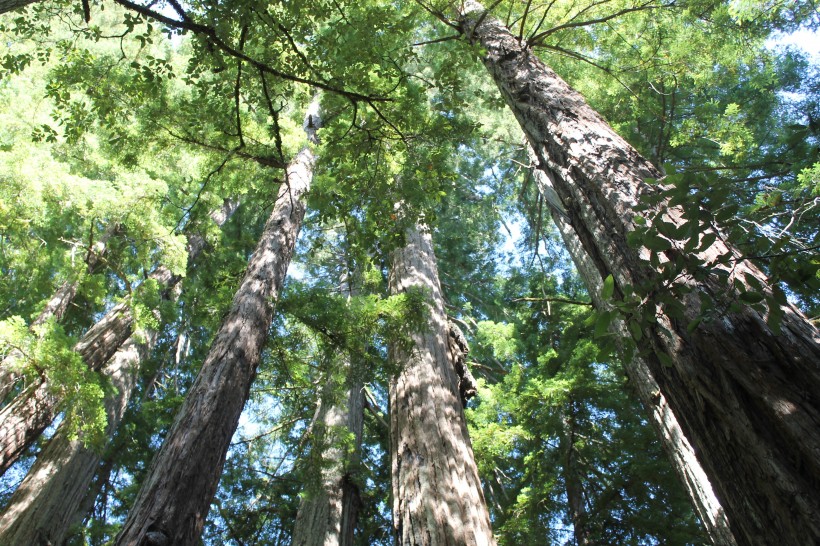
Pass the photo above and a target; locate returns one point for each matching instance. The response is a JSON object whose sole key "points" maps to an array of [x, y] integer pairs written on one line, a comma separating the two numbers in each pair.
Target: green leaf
{"points": [[635, 328], [603, 322], [707, 240], [670, 230], [779, 295], [753, 282], [775, 317], [665, 359], [751, 297], [609, 287], [656, 243]]}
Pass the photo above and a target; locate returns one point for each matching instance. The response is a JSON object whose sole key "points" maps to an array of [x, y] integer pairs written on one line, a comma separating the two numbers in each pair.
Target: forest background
{"points": [[124, 139]]}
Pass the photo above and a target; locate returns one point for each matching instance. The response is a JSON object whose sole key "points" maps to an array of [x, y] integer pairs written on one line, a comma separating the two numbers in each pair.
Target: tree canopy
{"points": [[128, 125]]}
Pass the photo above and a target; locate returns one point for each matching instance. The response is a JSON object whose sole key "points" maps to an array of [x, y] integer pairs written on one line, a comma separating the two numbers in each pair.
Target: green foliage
{"points": [[352, 323], [46, 353], [139, 137], [519, 433]]}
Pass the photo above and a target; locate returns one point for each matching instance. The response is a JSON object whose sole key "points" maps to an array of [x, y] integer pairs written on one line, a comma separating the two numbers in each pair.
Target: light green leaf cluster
{"points": [[491, 433], [47, 353], [15, 340], [499, 336], [809, 179]]}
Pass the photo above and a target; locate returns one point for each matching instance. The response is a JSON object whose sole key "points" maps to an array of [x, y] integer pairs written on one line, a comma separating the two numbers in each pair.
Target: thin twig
{"points": [[539, 37]]}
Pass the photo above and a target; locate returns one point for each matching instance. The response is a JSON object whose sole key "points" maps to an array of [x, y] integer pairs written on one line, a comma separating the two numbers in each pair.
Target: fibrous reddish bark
{"points": [[54, 494], [327, 515], [174, 498], [680, 452], [27, 416], [745, 397], [437, 495], [46, 503]]}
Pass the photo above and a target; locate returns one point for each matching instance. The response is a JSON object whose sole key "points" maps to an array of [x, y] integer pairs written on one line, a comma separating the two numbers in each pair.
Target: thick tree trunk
{"points": [[45, 504], [173, 502], [437, 495], [663, 420], [744, 396], [53, 495], [27, 416], [327, 515], [8, 5]]}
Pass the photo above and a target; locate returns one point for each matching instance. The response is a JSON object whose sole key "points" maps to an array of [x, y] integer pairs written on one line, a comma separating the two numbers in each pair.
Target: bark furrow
{"points": [[437, 494], [173, 502], [746, 398]]}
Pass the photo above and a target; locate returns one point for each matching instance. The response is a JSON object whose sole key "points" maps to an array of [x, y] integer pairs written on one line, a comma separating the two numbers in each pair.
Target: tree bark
{"points": [[173, 502], [52, 497], [27, 416], [9, 5], [437, 495], [674, 443], [328, 512], [327, 516], [573, 481], [45, 504], [745, 397]]}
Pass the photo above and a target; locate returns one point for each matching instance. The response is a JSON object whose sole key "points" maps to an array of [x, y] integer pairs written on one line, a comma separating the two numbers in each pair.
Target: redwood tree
{"points": [[327, 512], [173, 502], [746, 396], [32, 410], [50, 499], [677, 447], [437, 494]]}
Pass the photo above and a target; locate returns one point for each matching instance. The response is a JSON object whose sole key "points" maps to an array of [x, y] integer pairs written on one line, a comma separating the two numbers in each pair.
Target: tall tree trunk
{"points": [[673, 441], [55, 309], [327, 513], [437, 495], [27, 416], [744, 396], [46, 502], [52, 496], [173, 502], [572, 479]]}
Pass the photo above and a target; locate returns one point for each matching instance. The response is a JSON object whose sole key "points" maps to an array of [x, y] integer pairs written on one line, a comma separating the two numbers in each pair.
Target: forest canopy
{"points": [[362, 272]]}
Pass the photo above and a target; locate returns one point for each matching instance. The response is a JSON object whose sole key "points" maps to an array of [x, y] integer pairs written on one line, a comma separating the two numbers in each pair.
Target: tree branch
{"points": [[539, 37], [209, 33], [553, 300]]}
